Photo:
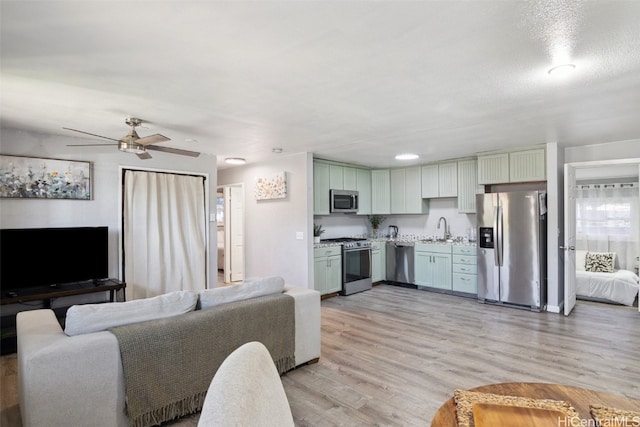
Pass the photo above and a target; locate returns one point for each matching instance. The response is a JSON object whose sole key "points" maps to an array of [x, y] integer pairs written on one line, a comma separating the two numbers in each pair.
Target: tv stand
{"points": [[48, 293]]}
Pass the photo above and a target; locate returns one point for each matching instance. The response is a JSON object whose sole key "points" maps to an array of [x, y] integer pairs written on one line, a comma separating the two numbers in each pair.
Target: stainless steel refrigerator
{"points": [[512, 267]]}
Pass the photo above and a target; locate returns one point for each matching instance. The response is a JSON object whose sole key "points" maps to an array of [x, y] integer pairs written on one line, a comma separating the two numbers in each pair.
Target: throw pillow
{"points": [[600, 262], [250, 288], [87, 318]]}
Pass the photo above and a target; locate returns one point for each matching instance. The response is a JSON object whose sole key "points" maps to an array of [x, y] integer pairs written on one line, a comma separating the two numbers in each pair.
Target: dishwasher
{"points": [[400, 262]]}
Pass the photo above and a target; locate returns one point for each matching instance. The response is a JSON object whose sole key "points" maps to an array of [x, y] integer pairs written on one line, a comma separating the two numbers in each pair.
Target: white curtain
{"points": [[607, 220], [164, 238]]}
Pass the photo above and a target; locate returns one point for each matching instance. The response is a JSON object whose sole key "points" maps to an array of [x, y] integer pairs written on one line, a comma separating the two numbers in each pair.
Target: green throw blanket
{"points": [[169, 363]]}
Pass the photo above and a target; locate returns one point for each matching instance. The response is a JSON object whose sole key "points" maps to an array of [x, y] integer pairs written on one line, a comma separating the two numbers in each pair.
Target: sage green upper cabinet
{"points": [[516, 166], [440, 180], [350, 179], [448, 179], [398, 195], [336, 177], [430, 182], [493, 168], [380, 192], [527, 166], [406, 191], [467, 185], [321, 188], [363, 185]]}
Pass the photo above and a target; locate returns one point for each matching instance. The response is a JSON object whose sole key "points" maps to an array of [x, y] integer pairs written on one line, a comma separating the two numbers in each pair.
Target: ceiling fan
{"points": [[132, 143]]}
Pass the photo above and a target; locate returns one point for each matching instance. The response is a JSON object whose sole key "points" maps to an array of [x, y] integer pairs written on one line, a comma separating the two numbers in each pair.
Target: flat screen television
{"points": [[47, 257]]}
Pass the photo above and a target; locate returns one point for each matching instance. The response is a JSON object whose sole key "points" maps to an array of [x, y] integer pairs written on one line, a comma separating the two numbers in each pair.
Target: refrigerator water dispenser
{"points": [[486, 237]]}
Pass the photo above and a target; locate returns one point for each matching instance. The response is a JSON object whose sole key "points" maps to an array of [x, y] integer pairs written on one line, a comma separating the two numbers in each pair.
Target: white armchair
{"points": [[246, 391]]}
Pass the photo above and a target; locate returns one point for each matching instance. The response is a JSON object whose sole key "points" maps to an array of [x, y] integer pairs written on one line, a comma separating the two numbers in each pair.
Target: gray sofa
{"points": [[79, 380]]}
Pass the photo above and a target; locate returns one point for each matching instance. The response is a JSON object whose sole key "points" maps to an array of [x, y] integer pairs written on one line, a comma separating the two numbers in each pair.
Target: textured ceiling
{"points": [[350, 81]]}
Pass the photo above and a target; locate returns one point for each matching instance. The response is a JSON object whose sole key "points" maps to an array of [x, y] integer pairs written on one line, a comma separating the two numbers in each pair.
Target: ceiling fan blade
{"points": [[91, 145], [152, 139], [92, 134], [144, 156], [173, 150]]}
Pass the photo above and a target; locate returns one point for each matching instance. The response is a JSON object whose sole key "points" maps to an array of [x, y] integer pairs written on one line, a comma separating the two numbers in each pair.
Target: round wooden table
{"points": [[580, 398]]}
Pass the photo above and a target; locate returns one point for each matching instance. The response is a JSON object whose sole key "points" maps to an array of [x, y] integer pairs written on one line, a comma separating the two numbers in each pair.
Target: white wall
{"points": [[103, 209], [555, 228], [271, 246], [605, 151]]}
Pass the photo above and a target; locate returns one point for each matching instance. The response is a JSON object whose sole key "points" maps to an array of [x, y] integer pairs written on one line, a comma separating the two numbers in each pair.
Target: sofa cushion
{"points": [[250, 288], [87, 318]]}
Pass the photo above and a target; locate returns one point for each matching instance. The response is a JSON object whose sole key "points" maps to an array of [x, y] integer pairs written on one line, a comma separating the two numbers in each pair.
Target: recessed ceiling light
{"points": [[276, 150], [235, 161], [190, 140], [562, 69], [407, 156]]}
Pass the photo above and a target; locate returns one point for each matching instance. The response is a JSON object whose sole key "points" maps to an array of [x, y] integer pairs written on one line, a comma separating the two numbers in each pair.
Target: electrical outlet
{"points": [[299, 235]]}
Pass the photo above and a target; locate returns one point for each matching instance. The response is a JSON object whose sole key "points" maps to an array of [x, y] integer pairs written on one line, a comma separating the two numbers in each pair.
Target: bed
{"points": [[616, 286], [620, 287]]}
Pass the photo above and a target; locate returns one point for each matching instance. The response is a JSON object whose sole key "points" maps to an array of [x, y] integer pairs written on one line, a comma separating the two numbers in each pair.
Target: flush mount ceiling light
{"points": [[235, 161], [560, 70], [276, 150], [407, 156]]}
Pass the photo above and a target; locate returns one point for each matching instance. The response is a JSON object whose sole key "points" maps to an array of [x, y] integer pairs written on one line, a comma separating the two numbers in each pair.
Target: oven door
{"points": [[356, 270]]}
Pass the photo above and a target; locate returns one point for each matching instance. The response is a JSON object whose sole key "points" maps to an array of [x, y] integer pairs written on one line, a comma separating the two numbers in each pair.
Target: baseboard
{"points": [[555, 308]]}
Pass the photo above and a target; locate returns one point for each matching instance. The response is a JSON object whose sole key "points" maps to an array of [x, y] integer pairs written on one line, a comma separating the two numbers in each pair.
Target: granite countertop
{"points": [[384, 240], [326, 245], [433, 242]]}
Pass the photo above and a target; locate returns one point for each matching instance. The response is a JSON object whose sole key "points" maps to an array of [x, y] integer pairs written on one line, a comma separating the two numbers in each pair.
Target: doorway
{"points": [[573, 173], [230, 233], [164, 231]]}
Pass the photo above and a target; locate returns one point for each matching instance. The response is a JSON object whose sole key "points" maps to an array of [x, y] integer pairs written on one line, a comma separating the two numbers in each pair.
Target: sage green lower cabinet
{"points": [[327, 269], [465, 269], [378, 261], [433, 265]]}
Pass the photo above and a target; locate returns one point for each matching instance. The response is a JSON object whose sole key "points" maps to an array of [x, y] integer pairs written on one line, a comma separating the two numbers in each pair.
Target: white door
{"points": [[569, 238], [234, 223]]}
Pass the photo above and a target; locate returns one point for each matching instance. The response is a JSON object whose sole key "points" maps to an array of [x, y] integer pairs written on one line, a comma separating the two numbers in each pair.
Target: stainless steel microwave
{"points": [[344, 201]]}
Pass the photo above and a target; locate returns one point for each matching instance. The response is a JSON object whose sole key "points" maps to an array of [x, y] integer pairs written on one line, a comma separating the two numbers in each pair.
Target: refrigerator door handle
{"points": [[495, 231], [499, 248]]}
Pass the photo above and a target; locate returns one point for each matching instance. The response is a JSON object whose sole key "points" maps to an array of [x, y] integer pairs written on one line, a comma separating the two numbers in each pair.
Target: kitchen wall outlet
{"points": [[212, 217], [299, 235]]}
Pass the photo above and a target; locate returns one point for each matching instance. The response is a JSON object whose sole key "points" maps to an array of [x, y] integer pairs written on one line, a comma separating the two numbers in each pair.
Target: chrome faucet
{"points": [[446, 235]]}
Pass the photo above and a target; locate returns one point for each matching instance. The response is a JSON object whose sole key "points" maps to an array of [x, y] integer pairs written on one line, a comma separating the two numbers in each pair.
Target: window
{"points": [[607, 210]]}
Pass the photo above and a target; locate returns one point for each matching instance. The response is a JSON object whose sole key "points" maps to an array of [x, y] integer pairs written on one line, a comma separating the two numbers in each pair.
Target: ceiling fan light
{"points": [[235, 161], [131, 147]]}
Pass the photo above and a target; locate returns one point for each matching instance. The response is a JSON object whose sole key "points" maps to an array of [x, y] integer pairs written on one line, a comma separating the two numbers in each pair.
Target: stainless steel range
{"points": [[356, 264]]}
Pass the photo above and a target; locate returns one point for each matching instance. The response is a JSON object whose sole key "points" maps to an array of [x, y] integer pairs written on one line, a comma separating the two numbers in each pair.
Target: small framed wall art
{"points": [[274, 187], [39, 178]]}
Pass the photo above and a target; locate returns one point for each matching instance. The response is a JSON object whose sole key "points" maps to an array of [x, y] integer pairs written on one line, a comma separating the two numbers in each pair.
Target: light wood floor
{"points": [[391, 356]]}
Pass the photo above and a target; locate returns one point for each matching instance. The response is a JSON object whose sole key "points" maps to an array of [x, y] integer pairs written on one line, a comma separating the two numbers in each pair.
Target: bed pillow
{"points": [[600, 262], [87, 318], [581, 260], [250, 288]]}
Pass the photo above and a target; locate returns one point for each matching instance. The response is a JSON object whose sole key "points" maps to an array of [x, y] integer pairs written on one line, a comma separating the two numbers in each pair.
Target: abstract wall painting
{"points": [[274, 187], [39, 178]]}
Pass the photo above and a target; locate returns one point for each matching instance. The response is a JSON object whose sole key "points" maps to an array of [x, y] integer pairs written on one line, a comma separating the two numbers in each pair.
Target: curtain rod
{"points": [[607, 186]]}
